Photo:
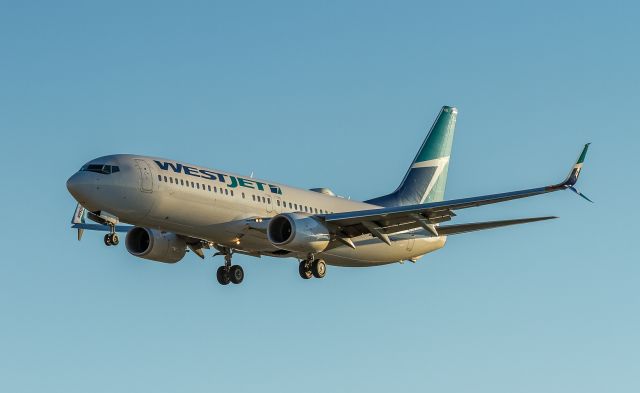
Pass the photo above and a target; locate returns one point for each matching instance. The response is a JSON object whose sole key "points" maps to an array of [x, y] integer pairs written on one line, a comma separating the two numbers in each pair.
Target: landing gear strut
{"points": [[111, 238], [312, 268], [228, 272]]}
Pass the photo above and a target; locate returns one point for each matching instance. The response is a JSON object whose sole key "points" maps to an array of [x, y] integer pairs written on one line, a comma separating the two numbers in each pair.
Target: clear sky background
{"points": [[337, 94]]}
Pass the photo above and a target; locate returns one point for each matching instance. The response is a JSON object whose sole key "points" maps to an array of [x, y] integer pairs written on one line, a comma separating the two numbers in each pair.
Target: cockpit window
{"points": [[99, 168]]}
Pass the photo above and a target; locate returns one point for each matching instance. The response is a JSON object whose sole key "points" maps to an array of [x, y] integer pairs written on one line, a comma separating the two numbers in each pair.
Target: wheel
{"points": [[319, 268], [236, 274], [115, 239], [107, 239], [223, 275], [304, 271]]}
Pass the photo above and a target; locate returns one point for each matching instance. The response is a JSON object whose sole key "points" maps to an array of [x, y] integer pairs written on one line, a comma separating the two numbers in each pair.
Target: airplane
{"points": [[169, 207]]}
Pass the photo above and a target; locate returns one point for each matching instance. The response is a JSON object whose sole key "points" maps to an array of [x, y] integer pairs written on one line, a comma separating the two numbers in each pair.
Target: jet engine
{"points": [[298, 233], [155, 245]]}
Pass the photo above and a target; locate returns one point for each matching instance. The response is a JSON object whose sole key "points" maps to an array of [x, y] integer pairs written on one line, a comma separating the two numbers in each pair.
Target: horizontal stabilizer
{"points": [[478, 226]]}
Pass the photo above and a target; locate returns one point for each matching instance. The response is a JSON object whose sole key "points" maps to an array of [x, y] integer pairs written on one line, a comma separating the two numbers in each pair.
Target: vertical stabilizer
{"points": [[426, 178]]}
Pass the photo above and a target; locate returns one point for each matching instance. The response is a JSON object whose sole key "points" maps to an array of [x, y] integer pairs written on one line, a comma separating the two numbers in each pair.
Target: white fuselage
{"points": [[216, 206]]}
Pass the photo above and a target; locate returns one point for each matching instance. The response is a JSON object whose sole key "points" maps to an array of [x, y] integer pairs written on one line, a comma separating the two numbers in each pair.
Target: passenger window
{"points": [[209, 188], [181, 182], [243, 195], [295, 206], [226, 192], [171, 180], [159, 177], [269, 200], [316, 209], [290, 206], [193, 185], [278, 202], [165, 179], [263, 200], [253, 197], [231, 192]]}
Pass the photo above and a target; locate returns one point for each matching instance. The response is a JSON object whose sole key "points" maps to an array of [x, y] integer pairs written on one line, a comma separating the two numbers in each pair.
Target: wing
{"points": [[383, 221], [79, 222], [103, 228], [103, 224]]}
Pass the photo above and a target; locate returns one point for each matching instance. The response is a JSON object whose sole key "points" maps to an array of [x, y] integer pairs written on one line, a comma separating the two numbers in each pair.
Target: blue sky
{"points": [[337, 94]]}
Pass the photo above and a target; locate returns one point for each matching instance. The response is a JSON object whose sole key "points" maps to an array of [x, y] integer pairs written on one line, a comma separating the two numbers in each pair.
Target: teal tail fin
{"points": [[426, 178]]}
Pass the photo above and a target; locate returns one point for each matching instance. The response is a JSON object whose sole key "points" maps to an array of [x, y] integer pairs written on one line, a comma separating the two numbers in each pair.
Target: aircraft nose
{"points": [[79, 186], [72, 184]]}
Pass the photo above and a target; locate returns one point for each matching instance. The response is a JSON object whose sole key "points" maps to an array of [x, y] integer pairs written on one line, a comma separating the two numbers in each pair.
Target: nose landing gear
{"points": [[111, 238], [229, 273]]}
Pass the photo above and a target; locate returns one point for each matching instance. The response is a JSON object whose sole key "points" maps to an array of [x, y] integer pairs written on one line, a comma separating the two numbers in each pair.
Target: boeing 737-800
{"points": [[172, 206]]}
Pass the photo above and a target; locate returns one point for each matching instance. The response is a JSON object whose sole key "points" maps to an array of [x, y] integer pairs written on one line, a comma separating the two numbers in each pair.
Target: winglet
{"points": [[572, 179], [78, 218]]}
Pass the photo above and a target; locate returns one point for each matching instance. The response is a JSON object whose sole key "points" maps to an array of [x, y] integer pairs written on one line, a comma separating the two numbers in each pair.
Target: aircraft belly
{"points": [[223, 222], [373, 252], [215, 220]]}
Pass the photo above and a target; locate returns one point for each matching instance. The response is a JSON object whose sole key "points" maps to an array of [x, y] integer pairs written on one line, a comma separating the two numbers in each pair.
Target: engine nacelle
{"points": [[299, 233], [155, 245]]}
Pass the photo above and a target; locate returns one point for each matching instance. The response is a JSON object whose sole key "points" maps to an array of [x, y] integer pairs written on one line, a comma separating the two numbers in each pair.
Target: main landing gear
{"points": [[111, 238], [229, 273], [312, 268]]}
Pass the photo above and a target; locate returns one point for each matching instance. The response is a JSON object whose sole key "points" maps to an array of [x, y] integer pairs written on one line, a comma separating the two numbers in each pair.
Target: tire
{"points": [[319, 268], [115, 239], [223, 276], [107, 239], [303, 271], [236, 274]]}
